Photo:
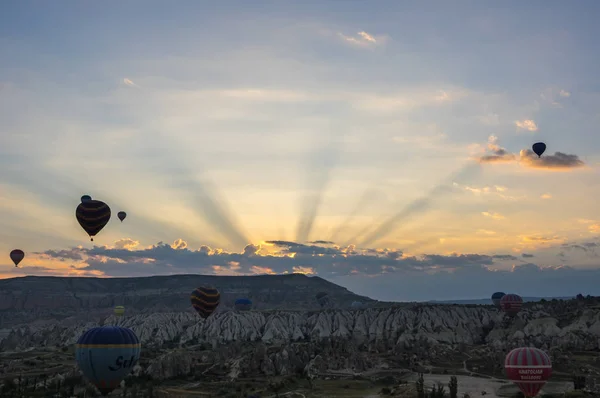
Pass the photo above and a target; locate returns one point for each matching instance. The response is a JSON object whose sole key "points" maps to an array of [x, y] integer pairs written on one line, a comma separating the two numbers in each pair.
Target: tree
{"points": [[453, 386], [578, 382], [421, 386], [438, 392]]}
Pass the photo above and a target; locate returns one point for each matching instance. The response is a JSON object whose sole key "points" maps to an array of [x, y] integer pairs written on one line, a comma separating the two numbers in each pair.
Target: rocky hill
{"points": [[34, 297]]}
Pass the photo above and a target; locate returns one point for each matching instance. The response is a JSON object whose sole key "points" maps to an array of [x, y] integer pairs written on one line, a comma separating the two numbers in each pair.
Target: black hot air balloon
{"points": [[92, 215], [322, 298], [539, 148], [121, 215], [86, 198], [205, 300], [17, 256], [496, 297]]}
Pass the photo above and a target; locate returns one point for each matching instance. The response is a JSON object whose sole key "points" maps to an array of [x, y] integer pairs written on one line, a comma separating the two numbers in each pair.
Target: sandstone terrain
{"points": [[288, 344]]}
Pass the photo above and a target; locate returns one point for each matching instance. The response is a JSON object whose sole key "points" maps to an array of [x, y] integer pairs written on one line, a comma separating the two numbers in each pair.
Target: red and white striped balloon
{"points": [[529, 368], [511, 304]]}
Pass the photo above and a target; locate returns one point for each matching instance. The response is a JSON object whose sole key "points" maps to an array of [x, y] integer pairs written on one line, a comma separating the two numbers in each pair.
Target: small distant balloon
{"points": [[17, 256], [121, 215], [85, 198], [539, 148], [119, 310], [92, 215], [243, 304], [205, 300], [322, 298], [496, 297], [357, 304]]}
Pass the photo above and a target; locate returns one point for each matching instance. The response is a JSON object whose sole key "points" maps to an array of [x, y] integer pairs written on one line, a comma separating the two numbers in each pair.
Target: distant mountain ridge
{"points": [[488, 301], [46, 297]]}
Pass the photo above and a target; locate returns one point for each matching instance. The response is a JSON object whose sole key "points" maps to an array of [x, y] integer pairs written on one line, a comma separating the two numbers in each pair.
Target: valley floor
{"points": [[471, 385]]}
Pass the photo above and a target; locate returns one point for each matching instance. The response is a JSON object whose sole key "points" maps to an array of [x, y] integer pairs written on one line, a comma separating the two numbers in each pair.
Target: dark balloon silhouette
{"points": [[243, 304], [539, 148], [322, 298], [205, 300], [121, 215], [86, 198], [529, 368], [92, 215], [106, 355], [511, 304], [17, 256], [496, 297]]}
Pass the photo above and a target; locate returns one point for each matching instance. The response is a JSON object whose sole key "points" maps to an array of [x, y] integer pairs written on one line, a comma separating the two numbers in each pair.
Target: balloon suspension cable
{"points": [[91, 239]]}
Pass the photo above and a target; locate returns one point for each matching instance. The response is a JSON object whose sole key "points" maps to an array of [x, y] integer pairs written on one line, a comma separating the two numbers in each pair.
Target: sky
{"points": [[384, 146]]}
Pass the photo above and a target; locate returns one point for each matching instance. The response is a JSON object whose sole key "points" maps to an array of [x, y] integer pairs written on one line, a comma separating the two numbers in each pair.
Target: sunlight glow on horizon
{"points": [[300, 129]]}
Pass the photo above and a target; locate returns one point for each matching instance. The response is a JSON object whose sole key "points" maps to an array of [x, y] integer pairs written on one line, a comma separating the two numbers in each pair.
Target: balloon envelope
{"points": [[322, 298], [539, 148], [17, 256], [86, 198], [92, 215], [119, 310], [106, 355], [529, 368], [511, 304], [357, 304], [243, 304], [121, 215], [205, 300], [496, 297]]}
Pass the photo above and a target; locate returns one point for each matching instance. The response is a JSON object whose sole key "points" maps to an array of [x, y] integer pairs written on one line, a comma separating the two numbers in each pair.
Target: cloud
{"points": [[499, 154], [493, 215], [272, 257], [496, 190], [364, 271], [553, 96], [129, 82], [564, 93], [485, 232], [557, 162], [527, 158], [526, 124], [546, 196], [594, 228], [364, 39], [126, 243]]}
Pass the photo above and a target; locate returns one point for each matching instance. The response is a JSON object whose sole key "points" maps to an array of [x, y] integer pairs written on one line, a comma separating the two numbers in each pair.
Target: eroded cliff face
{"points": [[286, 342]]}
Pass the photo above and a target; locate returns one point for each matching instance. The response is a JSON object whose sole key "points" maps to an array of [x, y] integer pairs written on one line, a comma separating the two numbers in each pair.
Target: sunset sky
{"points": [[384, 146]]}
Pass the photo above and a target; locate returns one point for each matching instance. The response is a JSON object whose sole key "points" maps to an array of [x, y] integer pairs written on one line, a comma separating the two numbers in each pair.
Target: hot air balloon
{"points": [[496, 297], [106, 355], [86, 198], [322, 298], [243, 304], [529, 368], [539, 148], [17, 256], [92, 215], [205, 300], [119, 310], [356, 304], [511, 304], [121, 215]]}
